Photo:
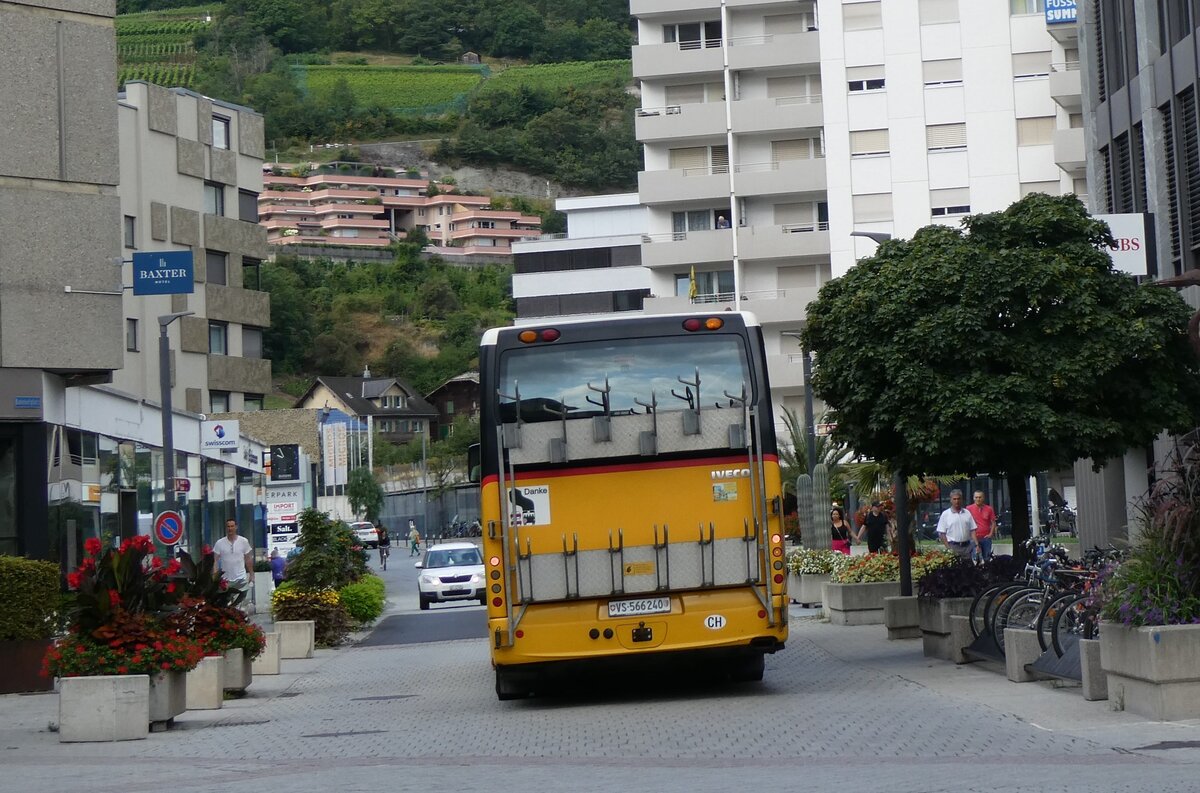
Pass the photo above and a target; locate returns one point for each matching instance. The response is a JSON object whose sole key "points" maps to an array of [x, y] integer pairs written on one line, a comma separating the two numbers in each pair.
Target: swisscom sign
{"points": [[219, 436]]}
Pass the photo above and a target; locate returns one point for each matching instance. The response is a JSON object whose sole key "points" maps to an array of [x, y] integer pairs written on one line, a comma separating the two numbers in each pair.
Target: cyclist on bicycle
{"points": [[385, 544]]}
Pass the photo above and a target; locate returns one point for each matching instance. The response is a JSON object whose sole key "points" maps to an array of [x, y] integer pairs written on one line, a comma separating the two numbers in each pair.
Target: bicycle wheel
{"points": [[1072, 623], [995, 601], [999, 614], [977, 607], [1025, 610], [1045, 620]]}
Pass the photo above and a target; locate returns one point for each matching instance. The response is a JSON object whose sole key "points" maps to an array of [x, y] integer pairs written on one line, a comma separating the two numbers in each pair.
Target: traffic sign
{"points": [[183, 484], [168, 527]]}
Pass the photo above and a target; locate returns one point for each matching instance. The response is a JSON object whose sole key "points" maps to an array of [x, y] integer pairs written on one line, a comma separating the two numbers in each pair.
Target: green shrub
{"points": [[364, 599], [329, 556], [324, 607], [29, 598]]}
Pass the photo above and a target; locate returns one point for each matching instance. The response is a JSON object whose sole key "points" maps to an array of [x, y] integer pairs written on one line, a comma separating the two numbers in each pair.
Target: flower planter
{"points": [[21, 664], [168, 697], [805, 588], [103, 708], [900, 616], [857, 604], [264, 585], [297, 638], [236, 675], [935, 616], [204, 689], [267, 662], [1153, 671]]}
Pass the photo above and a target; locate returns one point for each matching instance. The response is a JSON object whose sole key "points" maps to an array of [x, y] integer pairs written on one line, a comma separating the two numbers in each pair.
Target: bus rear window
{"points": [[553, 377]]}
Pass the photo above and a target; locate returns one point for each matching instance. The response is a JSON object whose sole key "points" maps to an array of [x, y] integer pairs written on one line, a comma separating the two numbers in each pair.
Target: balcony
{"points": [[1063, 27], [768, 305], [772, 50], [786, 370], [1069, 151], [677, 59], [645, 8], [1065, 86], [685, 248], [780, 177], [786, 241], [684, 184], [676, 122], [777, 114]]}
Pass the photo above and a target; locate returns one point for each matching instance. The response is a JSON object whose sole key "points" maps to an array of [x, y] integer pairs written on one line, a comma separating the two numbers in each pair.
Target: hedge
{"points": [[29, 598], [364, 599]]}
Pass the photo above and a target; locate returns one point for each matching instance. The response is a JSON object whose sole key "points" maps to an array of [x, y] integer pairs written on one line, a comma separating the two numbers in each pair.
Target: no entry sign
{"points": [[168, 527]]}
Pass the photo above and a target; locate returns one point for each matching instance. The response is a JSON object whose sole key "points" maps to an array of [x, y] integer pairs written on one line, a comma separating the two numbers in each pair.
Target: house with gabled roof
{"points": [[396, 409]]}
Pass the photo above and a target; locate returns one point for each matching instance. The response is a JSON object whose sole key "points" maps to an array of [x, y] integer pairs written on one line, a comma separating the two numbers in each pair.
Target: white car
{"points": [[364, 530], [451, 571]]}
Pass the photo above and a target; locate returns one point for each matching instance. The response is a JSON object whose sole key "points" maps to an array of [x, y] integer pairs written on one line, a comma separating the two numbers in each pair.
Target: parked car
{"points": [[364, 530], [451, 571]]}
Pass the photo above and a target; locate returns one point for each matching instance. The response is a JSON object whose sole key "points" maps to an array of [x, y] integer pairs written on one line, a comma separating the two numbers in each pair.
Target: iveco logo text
{"points": [[730, 473]]}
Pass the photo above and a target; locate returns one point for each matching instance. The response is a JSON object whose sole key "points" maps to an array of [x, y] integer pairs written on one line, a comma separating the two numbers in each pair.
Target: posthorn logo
{"points": [[219, 431]]}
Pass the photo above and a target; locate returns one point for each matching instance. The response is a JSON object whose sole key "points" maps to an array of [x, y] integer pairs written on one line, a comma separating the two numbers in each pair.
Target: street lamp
{"points": [[164, 385], [877, 236]]}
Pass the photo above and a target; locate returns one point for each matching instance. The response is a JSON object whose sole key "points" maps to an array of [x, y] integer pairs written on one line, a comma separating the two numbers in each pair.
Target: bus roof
{"points": [[492, 335]]}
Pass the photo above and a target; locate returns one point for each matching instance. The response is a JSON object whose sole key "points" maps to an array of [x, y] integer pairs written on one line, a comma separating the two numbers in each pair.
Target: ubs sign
{"points": [[1133, 241]]}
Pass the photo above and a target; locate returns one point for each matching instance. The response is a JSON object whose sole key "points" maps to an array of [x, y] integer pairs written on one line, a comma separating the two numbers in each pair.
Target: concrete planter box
{"points": [[168, 697], [935, 614], [21, 666], [236, 674], [857, 604], [900, 616], [1153, 671], [264, 586], [204, 689], [297, 638], [806, 587], [267, 662], [103, 708]]}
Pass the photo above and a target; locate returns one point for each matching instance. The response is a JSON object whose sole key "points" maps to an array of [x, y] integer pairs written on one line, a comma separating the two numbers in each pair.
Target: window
{"points": [[1031, 64], [131, 335], [214, 199], [1078, 187], [796, 149], [252, 273], [865, 78], [248, 206], [220, 132], [789, 23], [868, 142], [694, 220], [695, 93], [252, 402], [862, 16], [218, 401], [801, 86], [693, 35], [695, 160], [215, 265], [947, 72], [1027, 6], [130, 229], [1035, 131], [251, 342], [950, 201], [933, 12], [484, 224], [1049, 188], [711, 287], [449, 406], [946, 137], [872, 208], [1075, 120], [418, 426], [218, 338]]}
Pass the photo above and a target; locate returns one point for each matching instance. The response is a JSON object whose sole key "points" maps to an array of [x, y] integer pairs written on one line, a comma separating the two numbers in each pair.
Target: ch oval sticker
{"points": [[714, 622]]}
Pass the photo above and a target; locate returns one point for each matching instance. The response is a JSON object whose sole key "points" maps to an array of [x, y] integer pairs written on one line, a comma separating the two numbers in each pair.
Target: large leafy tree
{"points": [[1010, 345], [364, 493]]}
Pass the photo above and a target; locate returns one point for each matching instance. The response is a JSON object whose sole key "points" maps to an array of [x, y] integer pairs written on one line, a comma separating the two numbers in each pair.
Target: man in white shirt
{"points": [[235, 559], [956, 527]]}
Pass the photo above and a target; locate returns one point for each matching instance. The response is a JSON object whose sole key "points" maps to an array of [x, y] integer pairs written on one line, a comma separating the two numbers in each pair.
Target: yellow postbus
{"points": [[631, 499]]}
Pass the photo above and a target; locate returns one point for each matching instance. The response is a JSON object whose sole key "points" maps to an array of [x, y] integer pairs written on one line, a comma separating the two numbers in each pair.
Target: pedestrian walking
{"points": [[956, 527], [414, 539], [235, 559], [278, 566], [840, 530], [985, 527], [875, 526]]}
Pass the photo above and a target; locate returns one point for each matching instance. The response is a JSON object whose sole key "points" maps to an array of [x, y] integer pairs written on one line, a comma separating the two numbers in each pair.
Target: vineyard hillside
{"points": [[412, 89], [158, 46], [557, 77]]}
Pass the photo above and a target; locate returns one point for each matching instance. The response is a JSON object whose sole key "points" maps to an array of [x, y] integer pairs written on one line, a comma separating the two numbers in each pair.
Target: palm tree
{"points": [[794, 453]]}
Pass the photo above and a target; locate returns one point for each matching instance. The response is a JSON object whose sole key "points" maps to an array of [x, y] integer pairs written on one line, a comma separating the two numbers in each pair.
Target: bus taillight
{"points": [[776, 539], [550, 334]]}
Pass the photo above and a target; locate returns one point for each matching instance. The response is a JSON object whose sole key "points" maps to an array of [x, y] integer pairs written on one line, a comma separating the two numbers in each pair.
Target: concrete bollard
{"points": [[1095, 680], [1020, 648], [103, 708], [205, 690], [297, 638], [960, 638], [267, 662], [902, 617]]}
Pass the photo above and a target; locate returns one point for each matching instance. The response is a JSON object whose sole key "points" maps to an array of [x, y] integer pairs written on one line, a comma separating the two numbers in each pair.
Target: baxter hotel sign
{"points": [[163, 273]]}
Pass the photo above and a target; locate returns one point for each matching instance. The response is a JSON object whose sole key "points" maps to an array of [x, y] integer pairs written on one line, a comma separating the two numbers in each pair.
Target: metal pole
{"points": [[902, 549], [164, 385], [809, 429], [424, 481]]}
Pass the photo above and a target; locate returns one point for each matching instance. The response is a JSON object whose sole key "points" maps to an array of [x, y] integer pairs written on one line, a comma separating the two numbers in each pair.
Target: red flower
{"points": [[137, 659], [166, 665], [207, 550], [173, 567], [170, 589], [122, 670], [157, 646], [91, 546], [113, 598], [74, 580], [87, 565], [157, 563]]}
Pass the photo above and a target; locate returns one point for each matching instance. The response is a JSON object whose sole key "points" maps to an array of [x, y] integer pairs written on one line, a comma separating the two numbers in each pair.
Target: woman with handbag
{"points": [[840, 531]]}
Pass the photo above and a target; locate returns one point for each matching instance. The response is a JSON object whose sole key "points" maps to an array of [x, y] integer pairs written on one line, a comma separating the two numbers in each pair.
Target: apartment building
{"points": [[191, 174], [773, 130], [336, 205], [595, 268]]}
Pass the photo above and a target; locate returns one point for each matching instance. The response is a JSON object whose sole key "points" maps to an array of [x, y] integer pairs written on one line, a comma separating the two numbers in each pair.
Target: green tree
{"points": [[364, 493], [1008, 345]]}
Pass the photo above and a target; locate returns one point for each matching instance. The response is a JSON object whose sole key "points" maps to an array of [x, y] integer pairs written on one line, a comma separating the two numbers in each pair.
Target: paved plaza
{"points": [[842, 708]]}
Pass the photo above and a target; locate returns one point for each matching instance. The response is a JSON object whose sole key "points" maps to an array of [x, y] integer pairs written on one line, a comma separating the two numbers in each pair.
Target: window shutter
{"points": [[933, 12], [1035, 131], [864, 73], [950, 197], [945, 136], [1049, 188], [1031, 64], [685, 94], [720, 159], [788, 214], [779, 87], [947, 71], [862, 16], [797, 149], [692, 157], [869, 141], [716, 92], [873, 207], [786, 23]]}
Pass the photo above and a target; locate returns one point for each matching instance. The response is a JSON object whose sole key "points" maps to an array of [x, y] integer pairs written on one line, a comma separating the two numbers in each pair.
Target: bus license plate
{"points": [[638, 606]]}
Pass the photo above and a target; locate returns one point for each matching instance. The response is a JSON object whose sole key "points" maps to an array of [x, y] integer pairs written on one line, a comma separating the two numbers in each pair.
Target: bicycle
{"points": [[384, 552]]}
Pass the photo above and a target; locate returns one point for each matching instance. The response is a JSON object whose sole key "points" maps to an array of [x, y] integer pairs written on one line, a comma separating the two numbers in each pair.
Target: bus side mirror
{"points": [[474, 457]]}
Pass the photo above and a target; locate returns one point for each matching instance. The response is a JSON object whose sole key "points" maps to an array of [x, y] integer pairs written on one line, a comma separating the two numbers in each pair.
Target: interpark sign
{"points": [[163, 273]]}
